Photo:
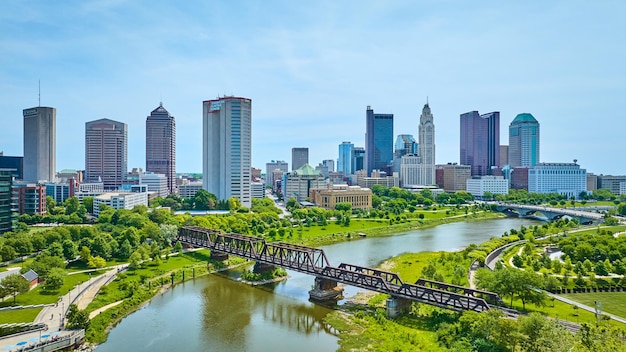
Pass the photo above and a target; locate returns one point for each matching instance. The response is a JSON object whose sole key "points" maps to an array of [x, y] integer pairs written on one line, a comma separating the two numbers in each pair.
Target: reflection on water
{"points": [[216, 313]]}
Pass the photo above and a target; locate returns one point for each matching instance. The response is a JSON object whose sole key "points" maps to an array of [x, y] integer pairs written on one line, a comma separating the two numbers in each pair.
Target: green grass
{"points": [[19, 315], [612, 302], [39, 295]]}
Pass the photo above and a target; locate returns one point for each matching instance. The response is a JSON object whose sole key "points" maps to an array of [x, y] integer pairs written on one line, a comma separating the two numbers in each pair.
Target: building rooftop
{"points": [[307, 170], [522, 118]]}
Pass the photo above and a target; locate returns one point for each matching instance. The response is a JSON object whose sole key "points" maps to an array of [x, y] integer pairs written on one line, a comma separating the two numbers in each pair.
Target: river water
{"points": [[215, 313]]}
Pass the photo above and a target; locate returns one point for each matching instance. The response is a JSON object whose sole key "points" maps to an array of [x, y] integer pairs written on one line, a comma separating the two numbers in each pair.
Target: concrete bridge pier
{"points": [[396, 306], [260, 268], [325, 290], [220, 256]]}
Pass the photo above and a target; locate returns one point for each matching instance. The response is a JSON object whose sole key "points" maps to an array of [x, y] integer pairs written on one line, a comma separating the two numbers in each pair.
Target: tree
{"points": [[135, 260], [88, 203], [178, 247], [77, 319], [14, 284], [71, 205], [292, 203], [70, 250], [55, 279], [541, 334], [96, 262], [344, 206], [125, 250], [85, 254]]}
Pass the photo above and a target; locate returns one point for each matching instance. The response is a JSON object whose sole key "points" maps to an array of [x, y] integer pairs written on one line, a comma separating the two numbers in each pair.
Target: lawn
{"points": [[19, 315], [611, 302], [40, 296]]}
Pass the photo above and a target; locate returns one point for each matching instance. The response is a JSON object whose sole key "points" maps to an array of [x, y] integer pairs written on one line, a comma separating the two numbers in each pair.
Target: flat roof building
{"points": [[360, 198], [120, 200], [567, 179], [106, 153], [39, 144]]}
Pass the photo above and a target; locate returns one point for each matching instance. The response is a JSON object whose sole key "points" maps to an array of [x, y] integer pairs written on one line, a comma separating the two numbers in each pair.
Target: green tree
{"points": [[70, 250], [88, 203], [55, 279], [13, 285], [77, 319], [343, 206], [125, 250], [85, 254], [543, 335], [135, 260], [96, 262], [71, 205], [178, 247]]}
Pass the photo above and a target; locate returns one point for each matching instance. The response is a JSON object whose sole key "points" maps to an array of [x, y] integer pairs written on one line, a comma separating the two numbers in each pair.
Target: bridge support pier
{"points": [[220, 256], [396, 306], [325, 290], [262, 268]]}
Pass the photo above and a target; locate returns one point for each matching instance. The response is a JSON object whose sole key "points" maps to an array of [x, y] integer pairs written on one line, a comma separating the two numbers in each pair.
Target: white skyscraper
{"points": [[226, 148], [426, 147]]}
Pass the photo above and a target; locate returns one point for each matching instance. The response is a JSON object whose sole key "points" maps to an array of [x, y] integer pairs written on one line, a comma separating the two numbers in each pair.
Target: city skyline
{"points": [[307, 60]]}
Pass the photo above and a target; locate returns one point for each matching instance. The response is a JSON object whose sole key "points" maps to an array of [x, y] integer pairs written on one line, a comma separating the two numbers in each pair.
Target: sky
{"points": [[312, 68]]}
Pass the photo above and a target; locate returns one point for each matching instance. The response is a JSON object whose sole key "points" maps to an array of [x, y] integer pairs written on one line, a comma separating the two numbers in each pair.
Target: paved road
{"points": [[53, 316]]}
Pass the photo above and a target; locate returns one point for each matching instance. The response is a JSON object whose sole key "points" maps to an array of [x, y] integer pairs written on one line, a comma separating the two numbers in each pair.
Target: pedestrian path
{"points": [[54, 315]]}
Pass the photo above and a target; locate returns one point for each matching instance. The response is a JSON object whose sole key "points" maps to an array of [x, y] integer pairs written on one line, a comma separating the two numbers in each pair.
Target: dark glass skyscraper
{"points": [[378, 140], [480, 141], [161, 145]]}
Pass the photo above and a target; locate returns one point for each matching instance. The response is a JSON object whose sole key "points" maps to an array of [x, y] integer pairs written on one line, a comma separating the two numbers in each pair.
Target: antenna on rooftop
{"points": [[39, 82]]}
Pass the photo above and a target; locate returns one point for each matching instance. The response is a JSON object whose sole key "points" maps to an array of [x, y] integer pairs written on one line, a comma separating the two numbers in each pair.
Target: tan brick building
{"points": [[360, 198]]}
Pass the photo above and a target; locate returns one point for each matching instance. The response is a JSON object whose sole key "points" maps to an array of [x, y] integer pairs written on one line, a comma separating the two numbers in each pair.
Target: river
{"points": [[215, 313]]}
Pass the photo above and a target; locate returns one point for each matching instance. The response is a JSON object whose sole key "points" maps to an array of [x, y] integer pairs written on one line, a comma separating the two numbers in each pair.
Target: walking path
{"points": [[53, 315], [102, 309], [494, 256]]}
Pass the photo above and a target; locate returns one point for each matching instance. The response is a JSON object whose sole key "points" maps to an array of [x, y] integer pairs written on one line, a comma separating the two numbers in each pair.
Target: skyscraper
{"points": [[8, 202], [426, 146], [40, 143], [299, 157], [227, 148], [271, 167], [378, 140], [358, 159], [344, 162], [161, 145], [106, 152], [524, 141], [405, 144], [480, 141]]}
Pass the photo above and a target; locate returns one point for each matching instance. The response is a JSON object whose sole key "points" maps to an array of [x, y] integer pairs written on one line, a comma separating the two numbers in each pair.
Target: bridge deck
{"points": [[313, 261]]}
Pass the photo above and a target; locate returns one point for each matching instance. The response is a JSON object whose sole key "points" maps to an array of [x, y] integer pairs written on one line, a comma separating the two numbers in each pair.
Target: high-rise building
{"points": [[405, 144], [106, 153], [8, 202], [524, 141], [344, 162], [161, 145], [271, 167], [40, 143], [16, 163], [426, 147], [504, 155], [330, 164], [378, 140], [358, 159], [480, 141], [299, 157], [227, 148]]}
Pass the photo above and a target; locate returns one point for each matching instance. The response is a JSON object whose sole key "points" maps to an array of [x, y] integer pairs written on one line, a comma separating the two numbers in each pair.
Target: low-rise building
{"points": [[189, 190], [31, 198], [299, 182], [612, 183], [156, 183], [455, 176], [377, 178], [478, 186], [622, 188], [257, 190], [360, 198], [118, 200], [567, 179]]}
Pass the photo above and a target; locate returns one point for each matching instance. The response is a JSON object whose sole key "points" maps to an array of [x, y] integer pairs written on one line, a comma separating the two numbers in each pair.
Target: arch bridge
{"points": [[523, 210], [313, 261]]}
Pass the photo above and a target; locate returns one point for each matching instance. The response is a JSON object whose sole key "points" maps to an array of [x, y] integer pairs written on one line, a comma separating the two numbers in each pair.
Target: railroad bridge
{"points": [[313, 261], [523, 210]]}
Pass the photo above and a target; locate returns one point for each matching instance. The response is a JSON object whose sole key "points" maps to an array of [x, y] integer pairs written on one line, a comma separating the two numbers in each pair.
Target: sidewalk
{"points": [[53, 316]]}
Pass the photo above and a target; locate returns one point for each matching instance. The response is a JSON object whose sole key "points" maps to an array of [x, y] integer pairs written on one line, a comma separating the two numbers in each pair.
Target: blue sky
{"points": [[311, 68]]}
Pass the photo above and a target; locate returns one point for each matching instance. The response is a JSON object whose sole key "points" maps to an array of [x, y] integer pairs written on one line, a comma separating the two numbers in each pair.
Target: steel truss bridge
{"points": [[313, 261]]}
